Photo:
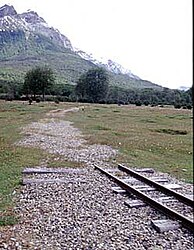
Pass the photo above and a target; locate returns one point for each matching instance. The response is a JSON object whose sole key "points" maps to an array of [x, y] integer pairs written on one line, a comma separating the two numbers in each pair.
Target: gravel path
{"points": [[84, 213]]}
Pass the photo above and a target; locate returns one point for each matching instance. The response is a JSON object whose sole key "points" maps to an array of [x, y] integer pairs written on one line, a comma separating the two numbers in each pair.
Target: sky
{"points": [[152, 38]]}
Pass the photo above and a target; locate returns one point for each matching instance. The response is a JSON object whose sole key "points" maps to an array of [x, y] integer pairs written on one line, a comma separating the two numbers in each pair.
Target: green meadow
{"points": [[155, 137]]}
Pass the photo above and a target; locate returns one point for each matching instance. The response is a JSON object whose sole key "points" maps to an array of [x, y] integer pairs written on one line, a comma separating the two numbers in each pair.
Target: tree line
{"points": [[92, 86]]}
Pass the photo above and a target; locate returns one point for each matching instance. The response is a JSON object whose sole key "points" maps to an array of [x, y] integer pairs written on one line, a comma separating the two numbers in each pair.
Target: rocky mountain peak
{"points": [[32, 17], [31, 25], [7, 10]]}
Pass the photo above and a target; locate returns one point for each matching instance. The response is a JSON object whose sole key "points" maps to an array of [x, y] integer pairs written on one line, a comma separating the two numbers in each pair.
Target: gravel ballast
{"points": [[85, 213]]}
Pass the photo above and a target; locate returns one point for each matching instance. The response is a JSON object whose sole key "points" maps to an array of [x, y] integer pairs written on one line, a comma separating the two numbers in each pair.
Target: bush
{"points": [[138, 103], [177, 106], [146, 103], [38, 99], [189, 106]]}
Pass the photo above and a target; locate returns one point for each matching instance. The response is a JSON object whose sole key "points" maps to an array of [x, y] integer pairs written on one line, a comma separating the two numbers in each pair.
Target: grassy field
{"points": [[155, 137]]}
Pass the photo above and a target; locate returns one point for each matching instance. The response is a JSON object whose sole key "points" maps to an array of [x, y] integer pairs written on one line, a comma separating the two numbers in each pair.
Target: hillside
{"points": [[26, 40]]}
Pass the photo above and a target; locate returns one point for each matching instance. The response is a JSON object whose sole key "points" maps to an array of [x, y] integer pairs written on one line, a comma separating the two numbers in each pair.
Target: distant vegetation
{"points": [[110, 94]]}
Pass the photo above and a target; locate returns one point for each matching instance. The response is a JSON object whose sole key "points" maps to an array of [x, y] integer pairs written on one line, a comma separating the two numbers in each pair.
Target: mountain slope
{"points": [[26, 40]]}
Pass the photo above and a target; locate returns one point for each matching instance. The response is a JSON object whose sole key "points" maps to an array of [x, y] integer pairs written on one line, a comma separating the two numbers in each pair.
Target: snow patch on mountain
{"points": [[106, 63]]}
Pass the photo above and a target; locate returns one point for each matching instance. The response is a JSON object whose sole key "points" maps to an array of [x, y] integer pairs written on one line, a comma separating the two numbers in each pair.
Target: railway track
{"points": [[149, 190]]}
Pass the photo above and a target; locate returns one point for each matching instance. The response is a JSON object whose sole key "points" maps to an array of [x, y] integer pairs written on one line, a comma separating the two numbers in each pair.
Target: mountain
{"points": [[27, 40]]}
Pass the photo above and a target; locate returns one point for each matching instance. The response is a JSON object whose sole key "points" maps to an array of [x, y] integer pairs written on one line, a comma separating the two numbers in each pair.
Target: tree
{"points": [[93, 85], [37, 80], [13, 89]]}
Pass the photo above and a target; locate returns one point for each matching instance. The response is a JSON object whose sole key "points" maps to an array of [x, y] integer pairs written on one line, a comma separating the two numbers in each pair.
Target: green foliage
{"points": [[93, 85], [37, 80], [12, 89], [149, 96], [62, 90]]}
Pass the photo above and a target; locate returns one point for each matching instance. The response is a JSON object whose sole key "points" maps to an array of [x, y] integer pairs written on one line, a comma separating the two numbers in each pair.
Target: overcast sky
{"points": [[152, 38]]}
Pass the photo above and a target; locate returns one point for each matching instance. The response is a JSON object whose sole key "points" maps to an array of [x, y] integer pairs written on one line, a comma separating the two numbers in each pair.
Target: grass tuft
{"points": [[8, 220]]}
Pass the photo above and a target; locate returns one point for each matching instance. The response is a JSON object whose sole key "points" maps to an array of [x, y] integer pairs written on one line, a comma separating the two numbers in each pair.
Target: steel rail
{"points": [[152, 202], [162, 188]]}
